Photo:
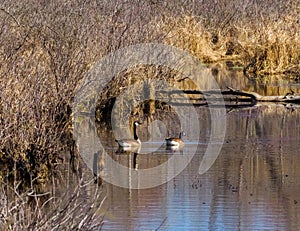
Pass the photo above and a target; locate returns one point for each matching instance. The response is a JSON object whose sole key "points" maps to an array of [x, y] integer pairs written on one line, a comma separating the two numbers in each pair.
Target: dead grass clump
{"points": [[273, 49], [263, 48], [188, 33]]}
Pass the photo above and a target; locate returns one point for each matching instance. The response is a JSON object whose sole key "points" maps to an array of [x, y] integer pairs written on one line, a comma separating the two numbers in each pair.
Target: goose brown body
{"points": [[131, 142]]}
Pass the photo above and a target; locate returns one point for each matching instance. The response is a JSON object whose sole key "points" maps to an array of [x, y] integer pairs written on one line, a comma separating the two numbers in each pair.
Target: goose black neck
{"points": [[180, 135], [134, 132]]}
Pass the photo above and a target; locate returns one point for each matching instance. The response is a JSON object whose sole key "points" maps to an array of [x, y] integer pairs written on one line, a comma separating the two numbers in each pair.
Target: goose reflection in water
{"points": [[130, 151]]}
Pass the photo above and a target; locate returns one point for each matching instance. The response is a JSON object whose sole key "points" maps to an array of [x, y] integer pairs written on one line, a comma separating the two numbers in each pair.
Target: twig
{"points": [[163, 221]]}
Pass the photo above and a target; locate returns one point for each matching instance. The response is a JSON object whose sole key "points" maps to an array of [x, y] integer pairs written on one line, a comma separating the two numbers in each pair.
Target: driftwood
{"points": [[239, 95], [289, 97]]}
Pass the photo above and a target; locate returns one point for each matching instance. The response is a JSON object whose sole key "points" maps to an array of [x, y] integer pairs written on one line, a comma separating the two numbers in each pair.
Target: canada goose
{"points": [[173, 141], [131, 142]]}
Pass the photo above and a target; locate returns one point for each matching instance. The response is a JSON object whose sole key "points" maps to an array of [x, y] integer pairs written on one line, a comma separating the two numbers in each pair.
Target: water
{"points": [[253, 184]]}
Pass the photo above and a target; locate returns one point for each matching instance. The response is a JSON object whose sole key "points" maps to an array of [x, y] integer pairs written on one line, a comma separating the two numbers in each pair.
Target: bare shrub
{"points": [[29, 210]]}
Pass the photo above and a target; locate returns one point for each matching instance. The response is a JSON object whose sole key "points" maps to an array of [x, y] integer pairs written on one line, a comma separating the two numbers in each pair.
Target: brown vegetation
{"points": [[261, 44], [47, 48], [31, 210]]}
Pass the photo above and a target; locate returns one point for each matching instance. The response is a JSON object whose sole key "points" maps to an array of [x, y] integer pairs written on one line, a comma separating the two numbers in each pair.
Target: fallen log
{"points": [[290, 97]]}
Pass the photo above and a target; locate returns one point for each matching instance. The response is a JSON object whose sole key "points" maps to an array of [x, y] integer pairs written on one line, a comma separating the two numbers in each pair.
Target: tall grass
{"points": [[263, 45]]}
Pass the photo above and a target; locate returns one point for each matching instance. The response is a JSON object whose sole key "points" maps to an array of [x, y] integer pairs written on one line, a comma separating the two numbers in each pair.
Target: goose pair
{"points": [[128, 143]]}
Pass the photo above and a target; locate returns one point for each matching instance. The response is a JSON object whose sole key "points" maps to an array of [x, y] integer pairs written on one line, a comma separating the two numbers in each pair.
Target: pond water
{"points": [[254, 183]]}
